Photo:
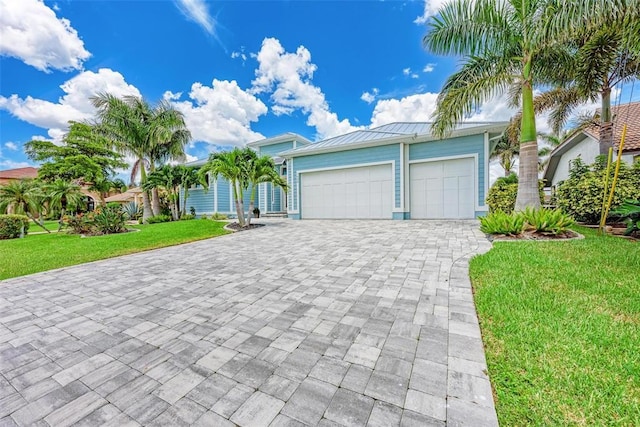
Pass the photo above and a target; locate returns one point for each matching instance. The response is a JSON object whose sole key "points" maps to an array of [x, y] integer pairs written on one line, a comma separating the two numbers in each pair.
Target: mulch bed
{"points": [[234, 226], [532, 235]]}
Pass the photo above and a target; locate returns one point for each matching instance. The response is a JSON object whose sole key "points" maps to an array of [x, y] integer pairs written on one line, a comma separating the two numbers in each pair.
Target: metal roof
{"points": [[391, 130]]}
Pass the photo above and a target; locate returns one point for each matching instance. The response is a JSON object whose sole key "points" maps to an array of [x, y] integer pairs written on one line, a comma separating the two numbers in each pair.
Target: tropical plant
{"points": [[509, 45], [83, 156], [547, 221], [23, 197], [581, 194], [231, 165], [505, 152], [502, 194], [158, 219], [189, 176], [629, 213], [132, 211], [260, 169], [166, 178], [64, 195], [147, 133], [109, 219], [503, 223], [13, 226]]}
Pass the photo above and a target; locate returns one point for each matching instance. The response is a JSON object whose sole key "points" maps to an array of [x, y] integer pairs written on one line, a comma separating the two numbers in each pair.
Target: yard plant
{"points": [[539, 221], [13, 226], [560, 324]]}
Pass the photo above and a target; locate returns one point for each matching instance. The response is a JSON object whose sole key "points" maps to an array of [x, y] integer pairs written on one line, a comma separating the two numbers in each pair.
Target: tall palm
{"points": [[260, 169], [232, 167], [508, 45], [138, 129], [63, 195], [23, 197]]}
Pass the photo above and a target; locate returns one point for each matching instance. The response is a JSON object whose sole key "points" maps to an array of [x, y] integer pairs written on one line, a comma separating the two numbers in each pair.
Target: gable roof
{"points": [[389, 133], [628, 114], [19, 173], [284, 137]]}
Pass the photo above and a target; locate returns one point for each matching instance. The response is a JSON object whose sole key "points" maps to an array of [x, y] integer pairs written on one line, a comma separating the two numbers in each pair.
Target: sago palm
{"points": [[23, 197], [64, 195], [508, 45]]}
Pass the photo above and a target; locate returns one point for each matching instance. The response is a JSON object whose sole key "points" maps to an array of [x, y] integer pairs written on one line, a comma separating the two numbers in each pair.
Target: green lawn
{"points": [[47, 251], [561, 327], [49, 225]]}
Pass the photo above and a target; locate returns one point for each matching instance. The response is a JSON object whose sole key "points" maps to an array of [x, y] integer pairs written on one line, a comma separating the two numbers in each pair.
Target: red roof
{"points": [[20, 173], [628, 114]]}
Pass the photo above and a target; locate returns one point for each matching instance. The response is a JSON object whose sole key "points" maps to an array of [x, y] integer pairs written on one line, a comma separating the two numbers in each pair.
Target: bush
{"points": [[629, 213], [502, 194], [581, 194], [109, 220], [218, 216], [187, 217], [80, 223], [132, 211], [12, 226], [203, 216], [158, 218], [502, 223], [547, 221]]}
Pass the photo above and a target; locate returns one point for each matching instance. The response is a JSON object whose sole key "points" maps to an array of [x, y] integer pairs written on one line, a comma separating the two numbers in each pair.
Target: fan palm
{"points": [[23, 197], [63, 195], [508, 45], [147, 133]]}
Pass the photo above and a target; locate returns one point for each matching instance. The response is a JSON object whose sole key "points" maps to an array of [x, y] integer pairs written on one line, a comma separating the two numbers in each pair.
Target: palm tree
{"points": [[509, 45], [166, 178], [231, 166], [62, 195], [102, 187], [189, 176], [260, 169], [147, 133], [505, 151], [23, 197]]}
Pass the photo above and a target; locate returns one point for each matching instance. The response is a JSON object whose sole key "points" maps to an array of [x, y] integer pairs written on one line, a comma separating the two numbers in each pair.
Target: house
{"points": [[133, 194], [395, 171], [218, 197], [584, 144], [10, 175]]}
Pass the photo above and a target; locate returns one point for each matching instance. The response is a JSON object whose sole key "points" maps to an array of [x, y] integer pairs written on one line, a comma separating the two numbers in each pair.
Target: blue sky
{"points": [[238, 70]]}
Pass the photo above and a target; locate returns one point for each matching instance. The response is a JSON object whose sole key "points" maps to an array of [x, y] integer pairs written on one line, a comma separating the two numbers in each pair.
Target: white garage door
{"points": [[443, 189], [364, 192]]}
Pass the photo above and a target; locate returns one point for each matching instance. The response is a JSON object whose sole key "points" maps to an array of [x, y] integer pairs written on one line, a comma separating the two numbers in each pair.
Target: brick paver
{"points": [[296, 323]]}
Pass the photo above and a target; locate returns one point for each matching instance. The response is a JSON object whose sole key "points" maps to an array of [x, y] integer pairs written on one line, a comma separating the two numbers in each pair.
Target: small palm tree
{"points": [[166, 178], [260, 169], [505, 152], [189, 176], [63, 195], [231, 166], [23, 197]]}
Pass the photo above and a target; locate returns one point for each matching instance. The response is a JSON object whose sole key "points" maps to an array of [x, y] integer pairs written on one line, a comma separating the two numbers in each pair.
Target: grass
{"points": [[49, 225], [561, 328], [44, 252]]}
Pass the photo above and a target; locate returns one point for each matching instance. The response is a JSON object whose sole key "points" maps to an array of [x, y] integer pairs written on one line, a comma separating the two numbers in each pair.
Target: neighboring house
{"points": [[218, 197], [395, 171], [131, 195], [584, 144], [10, 175]]}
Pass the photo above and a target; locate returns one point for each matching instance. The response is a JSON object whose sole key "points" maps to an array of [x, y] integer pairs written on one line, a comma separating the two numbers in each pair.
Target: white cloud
{"points": [[220, 114], [406, 71], [369, 97], [413, 108], [31, 32], [239, 54], [198, 12], [12, 164], [431, 8], [429, 68], [74, 105], [11, 146], [287, 76]]}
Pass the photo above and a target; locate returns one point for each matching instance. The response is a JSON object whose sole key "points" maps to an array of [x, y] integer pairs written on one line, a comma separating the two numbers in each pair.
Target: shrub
{"points": [[132, 211], [502, 194], [109, 220], [581, 194], [203, 216], [218, 216], [158, 218], [629, 212], [13, 226], [187, 217], [499, 222], [547, 221], [80, 223]]}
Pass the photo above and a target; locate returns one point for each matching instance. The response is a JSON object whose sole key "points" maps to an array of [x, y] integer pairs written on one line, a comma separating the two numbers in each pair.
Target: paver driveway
{"points": [[295, 323]]}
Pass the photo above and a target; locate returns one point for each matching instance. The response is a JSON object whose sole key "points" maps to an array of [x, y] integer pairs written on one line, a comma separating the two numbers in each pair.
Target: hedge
{"points": [[11, 226]]}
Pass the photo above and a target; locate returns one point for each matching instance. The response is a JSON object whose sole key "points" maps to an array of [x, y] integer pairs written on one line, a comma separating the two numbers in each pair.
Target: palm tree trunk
{"points": [[184, 202], [237, 195], [606, 124], [63, 211], [146, 207], [155, 201], [251, 204], [37, 223], [528, 194]]}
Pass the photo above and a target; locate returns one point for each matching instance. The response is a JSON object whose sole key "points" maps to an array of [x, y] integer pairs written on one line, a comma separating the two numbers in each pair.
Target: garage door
{"points": [[364, 192], [442, 189]]}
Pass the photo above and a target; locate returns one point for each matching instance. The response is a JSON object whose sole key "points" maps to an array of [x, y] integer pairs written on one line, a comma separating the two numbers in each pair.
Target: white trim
{"points": [[355, 166], [486, 170], [477, 207], [402, 170]]}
